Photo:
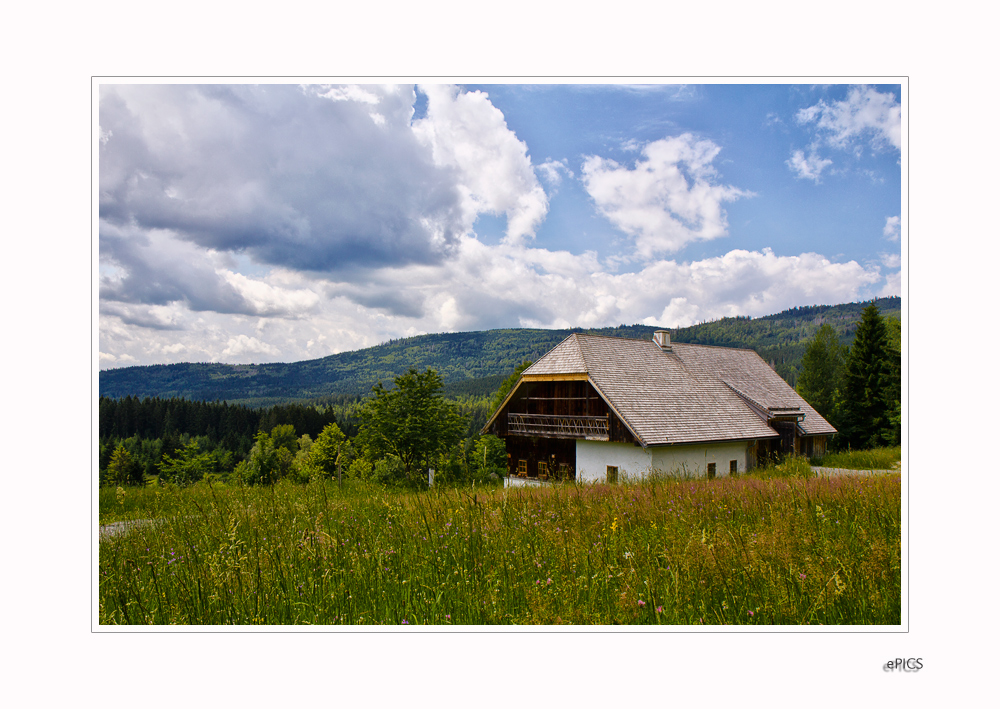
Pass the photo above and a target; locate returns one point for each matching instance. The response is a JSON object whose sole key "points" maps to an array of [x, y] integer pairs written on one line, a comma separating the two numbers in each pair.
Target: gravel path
{"points": [[116, 528]]}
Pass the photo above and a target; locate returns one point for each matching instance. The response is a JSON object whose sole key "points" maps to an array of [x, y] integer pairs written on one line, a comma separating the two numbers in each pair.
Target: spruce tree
{"points": [[868, 385], [822, 373], [124, 469]]}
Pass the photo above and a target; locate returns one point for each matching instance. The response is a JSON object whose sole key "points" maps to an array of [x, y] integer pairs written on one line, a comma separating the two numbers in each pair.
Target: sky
{"points": [[248, 223]]}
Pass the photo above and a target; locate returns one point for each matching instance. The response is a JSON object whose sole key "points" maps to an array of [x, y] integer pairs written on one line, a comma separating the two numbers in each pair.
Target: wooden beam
{"points": [[581, 377]]}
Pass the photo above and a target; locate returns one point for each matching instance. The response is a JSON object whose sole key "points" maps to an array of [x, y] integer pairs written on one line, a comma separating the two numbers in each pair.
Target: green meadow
{"points": [[885, 458], [752, 550]]}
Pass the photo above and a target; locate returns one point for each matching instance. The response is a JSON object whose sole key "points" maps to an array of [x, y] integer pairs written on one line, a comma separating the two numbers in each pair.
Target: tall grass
{"points": [[871, 459], [730, 551]]}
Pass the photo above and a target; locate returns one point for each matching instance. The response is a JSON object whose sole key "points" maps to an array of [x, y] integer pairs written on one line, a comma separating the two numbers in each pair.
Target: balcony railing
{"points": [[593, 428]]}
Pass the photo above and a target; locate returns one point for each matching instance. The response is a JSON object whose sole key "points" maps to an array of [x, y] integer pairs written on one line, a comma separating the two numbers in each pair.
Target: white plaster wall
{"points": [[594, 457], [694, 459]]}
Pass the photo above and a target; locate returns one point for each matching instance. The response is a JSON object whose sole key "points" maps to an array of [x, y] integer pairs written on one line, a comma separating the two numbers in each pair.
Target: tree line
{"points": [[392, 437]]}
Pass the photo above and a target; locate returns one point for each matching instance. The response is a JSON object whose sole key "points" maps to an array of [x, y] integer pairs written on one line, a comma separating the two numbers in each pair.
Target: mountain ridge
{"points": [[461, 358]]}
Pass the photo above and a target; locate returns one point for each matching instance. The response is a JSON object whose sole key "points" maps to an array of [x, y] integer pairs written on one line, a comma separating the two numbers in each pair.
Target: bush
{"points": [[189, 466], [263, 464], [792, 466]]}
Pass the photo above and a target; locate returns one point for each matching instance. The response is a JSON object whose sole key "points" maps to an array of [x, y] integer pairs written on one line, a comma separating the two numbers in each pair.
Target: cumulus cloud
{"points": [[266, 299], [468, 134], [122, 360], [807, 168], [242, 345], [553, 170], [668, 199], [891, 229], [300, 177], [864, 113], [331, 180], [487, 286], [494, 286], [893, 285], [891, 260]]}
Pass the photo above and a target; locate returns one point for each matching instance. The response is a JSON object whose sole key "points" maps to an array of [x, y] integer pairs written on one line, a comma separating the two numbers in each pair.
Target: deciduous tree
{"points": [[263, 465], [324, 453], [410, 421]]}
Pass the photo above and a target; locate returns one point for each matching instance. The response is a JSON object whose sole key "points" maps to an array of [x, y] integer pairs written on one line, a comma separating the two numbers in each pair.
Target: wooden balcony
{"points": [[591, 428]]}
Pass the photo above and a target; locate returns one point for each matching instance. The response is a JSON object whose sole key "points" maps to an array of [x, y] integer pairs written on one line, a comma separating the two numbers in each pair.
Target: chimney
{"points": [[662, 339]]}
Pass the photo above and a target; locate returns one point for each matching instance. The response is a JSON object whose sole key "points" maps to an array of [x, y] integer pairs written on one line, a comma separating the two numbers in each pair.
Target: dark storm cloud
{"points": [[485, 311], [288, 177], [157, 270], [406, 304]]}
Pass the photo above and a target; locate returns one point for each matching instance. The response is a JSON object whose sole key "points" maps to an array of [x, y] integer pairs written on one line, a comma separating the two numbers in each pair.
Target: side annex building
{"points": [[598, 408]]}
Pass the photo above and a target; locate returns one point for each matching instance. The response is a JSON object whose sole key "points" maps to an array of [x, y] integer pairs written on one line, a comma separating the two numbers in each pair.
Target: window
{"points": [[732, 467], [522, 468], [711, 470], [543, 470], [612, 474]]}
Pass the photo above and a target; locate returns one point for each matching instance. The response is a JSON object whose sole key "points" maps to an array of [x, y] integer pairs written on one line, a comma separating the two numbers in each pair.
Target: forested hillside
{"points": [[782, 339], [471, 364]]}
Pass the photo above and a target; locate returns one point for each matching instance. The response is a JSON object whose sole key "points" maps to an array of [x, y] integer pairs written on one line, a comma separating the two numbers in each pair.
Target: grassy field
{"points": [[747, 550], [872, 459]]}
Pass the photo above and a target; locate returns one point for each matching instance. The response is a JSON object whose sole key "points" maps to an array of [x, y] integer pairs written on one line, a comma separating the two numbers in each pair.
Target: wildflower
{"points": [[548, 582], [802, 576], [405, 622], [659, 609], [642, 602]]}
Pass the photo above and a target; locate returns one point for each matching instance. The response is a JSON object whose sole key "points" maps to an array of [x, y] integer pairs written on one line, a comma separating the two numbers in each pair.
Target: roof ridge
{"points": [[613, 337]]}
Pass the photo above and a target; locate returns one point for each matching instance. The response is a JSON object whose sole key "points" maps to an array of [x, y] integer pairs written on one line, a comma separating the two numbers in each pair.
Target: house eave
{"points": [[705, 441]]}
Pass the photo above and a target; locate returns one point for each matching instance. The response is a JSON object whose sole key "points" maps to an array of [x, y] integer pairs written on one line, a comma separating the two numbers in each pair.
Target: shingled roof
{"points": [[684, 394]]}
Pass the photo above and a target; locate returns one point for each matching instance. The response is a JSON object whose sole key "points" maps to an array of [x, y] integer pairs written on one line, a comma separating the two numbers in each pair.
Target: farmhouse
{"points": [[600, 408]]}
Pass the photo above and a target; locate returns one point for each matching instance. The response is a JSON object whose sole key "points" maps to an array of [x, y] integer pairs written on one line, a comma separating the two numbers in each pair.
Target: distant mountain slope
{"points": [[461, 357], [781, 339]]}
